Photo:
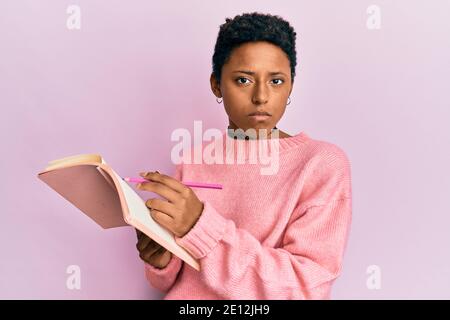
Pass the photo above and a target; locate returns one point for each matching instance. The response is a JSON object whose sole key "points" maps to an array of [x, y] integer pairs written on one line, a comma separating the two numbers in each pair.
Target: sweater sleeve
{"points": [[235, 265], [163, 279]]}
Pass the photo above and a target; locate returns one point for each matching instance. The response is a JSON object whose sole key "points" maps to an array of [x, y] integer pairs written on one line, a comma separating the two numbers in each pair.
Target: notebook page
{"points": [[139, 211]]}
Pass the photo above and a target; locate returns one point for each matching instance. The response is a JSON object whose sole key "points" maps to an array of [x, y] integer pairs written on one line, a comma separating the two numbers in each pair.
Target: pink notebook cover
{"points": [[96, 189]]}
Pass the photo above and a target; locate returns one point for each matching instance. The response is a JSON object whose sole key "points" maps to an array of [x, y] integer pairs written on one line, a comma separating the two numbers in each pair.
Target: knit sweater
{"points": [[277, 236]]}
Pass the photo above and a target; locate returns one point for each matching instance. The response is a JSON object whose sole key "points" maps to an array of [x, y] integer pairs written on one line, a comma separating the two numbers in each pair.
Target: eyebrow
{"points": [[252, 73]]}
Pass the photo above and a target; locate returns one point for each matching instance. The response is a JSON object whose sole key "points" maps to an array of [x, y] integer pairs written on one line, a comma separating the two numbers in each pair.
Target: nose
{"points": [[261, 94]]}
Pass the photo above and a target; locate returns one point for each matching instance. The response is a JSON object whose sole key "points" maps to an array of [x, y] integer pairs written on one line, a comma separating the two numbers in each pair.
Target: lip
{"points": [[259, 113], [260, 117]]}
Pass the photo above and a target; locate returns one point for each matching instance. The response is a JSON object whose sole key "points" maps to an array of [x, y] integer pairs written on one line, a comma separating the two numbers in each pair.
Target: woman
{"points": [[276, 236]]}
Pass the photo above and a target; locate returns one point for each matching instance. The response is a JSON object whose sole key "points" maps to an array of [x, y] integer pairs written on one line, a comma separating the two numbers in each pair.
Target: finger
{"points": [[162, 206], [162, 260], [143, 255], [151, 250], [166, 180], [163, 219], [138, 233], [149, 246], [143, 242], [157, 254], [160, 189]]}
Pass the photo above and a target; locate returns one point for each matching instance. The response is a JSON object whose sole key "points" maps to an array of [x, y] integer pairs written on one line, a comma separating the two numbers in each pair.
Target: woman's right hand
{"points": [[152, 252]]}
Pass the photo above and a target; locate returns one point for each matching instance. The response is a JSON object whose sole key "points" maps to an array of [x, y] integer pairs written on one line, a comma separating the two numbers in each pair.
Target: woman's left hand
{"points": [[182, 210]]}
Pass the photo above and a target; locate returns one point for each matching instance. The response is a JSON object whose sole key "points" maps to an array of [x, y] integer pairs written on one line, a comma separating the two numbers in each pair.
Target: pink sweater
{"points": [[279, 236]]}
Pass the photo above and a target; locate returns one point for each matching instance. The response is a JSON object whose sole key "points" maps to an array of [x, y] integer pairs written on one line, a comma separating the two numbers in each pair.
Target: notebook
{"points": [[91, 185]]}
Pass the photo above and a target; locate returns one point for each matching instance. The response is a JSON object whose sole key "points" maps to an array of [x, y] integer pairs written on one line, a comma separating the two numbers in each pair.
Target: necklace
{"points": [[239, 134]]}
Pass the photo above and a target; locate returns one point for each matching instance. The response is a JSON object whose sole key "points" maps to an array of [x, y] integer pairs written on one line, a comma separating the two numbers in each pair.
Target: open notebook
{"points": [[90, 184]]}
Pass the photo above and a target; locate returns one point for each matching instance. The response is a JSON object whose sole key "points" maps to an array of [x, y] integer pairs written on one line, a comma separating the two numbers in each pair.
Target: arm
{"points": [[163, 279], [235, 265]]}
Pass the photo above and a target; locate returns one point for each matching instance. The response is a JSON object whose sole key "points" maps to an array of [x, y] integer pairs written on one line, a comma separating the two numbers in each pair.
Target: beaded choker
{"points": [[240, 134]]}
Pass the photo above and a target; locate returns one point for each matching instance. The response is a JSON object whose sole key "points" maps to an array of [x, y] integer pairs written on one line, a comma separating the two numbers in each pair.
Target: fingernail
{"points": [[139, 185], [157, 171], [143, 174]]}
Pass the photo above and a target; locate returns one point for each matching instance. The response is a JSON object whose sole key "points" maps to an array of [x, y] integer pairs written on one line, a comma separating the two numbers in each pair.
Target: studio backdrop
{"points": [[118, 77]]}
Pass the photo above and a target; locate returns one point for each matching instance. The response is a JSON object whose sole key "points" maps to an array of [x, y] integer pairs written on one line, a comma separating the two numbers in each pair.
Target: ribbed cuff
{"points": [[205, 234]]}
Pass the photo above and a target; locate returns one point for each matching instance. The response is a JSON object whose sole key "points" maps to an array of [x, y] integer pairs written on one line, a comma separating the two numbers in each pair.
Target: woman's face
{"points": [[257, 78]]}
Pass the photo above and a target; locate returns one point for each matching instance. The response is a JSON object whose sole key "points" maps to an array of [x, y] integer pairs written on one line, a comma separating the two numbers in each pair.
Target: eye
{"points": [[240, 79], [282, 81]]}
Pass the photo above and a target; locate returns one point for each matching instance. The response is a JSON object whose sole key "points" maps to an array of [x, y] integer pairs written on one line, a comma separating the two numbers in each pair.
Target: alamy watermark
{"points": [[260, 149], [73, 21], [373, 21], [73, 281], [373, 282]]}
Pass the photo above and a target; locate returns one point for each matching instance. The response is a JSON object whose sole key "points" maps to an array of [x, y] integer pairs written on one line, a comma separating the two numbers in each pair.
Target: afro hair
{"points": [[252, 27]]}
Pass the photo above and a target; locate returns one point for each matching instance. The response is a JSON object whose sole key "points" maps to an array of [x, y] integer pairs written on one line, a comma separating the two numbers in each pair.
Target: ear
{"points": [[215, 86]]}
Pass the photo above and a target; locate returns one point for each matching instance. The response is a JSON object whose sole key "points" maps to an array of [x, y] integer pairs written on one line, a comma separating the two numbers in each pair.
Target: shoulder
{"points": [[327, 167], [326, 174], [327, 155]]}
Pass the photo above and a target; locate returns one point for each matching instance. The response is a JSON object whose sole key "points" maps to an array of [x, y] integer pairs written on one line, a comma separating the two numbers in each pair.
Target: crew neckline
{"points": [[284, 143], [234, 149]]}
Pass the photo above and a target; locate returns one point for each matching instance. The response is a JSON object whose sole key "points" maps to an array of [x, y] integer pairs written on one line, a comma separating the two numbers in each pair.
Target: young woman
{"points": [[278, 236]]}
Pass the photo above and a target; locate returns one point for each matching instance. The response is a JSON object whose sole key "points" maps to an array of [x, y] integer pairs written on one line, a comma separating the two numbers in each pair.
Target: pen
{"points": [[189, 184]]}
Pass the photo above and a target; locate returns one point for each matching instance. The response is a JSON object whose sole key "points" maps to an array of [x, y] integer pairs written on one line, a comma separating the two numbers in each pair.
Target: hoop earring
{"points": [[219, 101], [289, 101]]}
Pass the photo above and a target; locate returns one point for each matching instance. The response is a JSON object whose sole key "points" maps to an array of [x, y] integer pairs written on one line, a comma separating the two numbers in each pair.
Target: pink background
{"points": [[138, 70]]}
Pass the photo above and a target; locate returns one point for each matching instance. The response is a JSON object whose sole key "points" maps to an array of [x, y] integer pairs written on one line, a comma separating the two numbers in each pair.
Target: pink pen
{"points": [[189, 184]]}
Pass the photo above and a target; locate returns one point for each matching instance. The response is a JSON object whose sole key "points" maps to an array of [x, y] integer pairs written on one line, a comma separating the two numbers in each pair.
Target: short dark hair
{"points": [[252, 27]]}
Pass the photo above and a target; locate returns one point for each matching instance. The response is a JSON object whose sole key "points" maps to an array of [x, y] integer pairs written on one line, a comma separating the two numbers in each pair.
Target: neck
{"points": [[240, 134]]}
